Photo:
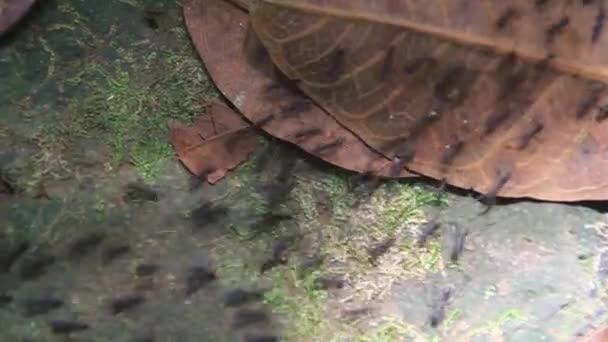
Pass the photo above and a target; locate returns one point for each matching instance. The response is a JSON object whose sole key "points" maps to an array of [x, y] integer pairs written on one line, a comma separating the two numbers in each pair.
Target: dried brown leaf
{"points": [[214, 143], [247, 78], [11, 11], [475, 89], [597, 335]]}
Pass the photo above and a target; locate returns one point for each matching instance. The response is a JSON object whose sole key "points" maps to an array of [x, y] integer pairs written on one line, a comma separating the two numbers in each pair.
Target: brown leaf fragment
{"points": [[11, 11], [597, 335], [214, 143]]}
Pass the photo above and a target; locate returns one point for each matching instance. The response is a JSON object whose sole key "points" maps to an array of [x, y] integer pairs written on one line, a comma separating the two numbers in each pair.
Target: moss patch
{"points": [[99, 92], [493, 326], [328, 228], [131, 113]]}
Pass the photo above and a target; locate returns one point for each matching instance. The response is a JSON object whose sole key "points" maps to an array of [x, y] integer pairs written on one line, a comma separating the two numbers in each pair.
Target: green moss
{"points": [[502, 319], [305, 312], [300, 305], [130, 108], [452, 316], [391, 329]]}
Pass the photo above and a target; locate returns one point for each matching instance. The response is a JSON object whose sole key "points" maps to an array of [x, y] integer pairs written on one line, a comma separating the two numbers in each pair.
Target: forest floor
{"points": [[88, 89]]}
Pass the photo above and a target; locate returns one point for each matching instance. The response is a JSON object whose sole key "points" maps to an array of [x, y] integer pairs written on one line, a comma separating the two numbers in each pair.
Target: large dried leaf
{"points": [[11, 11], [492, 95], [219, 32]]}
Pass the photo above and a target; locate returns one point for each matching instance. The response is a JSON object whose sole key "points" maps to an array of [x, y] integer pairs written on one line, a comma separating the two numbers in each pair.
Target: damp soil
{"points": [[86, 94]]}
